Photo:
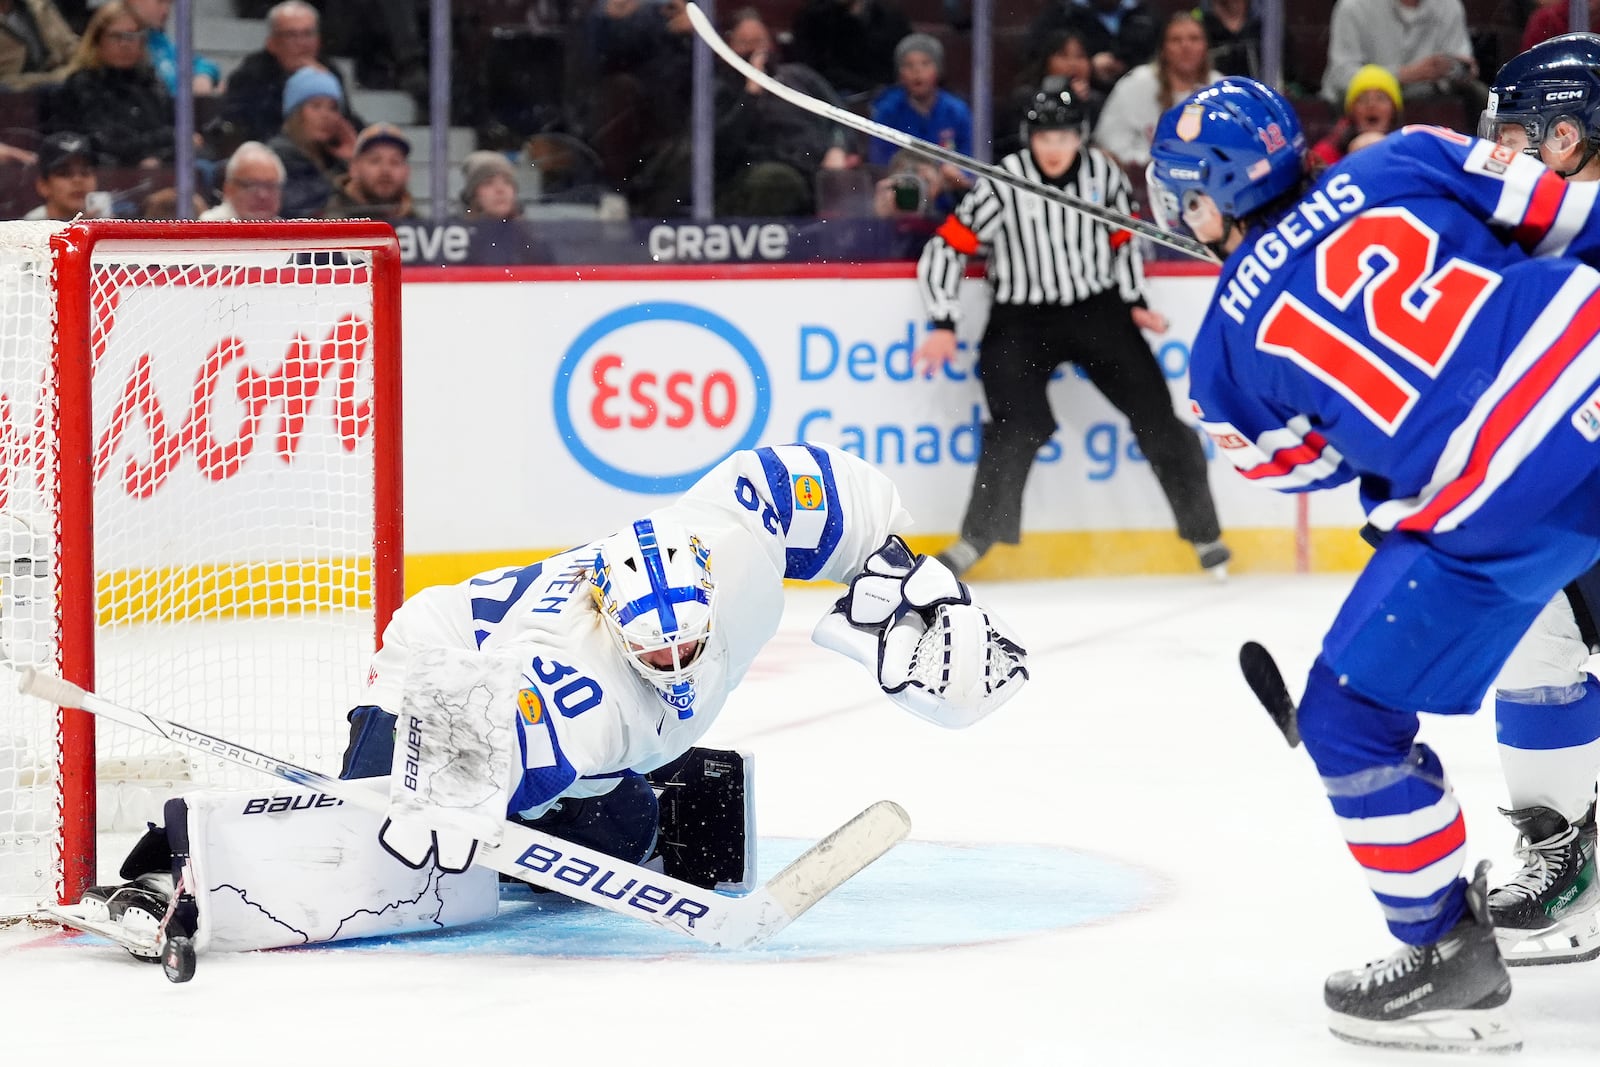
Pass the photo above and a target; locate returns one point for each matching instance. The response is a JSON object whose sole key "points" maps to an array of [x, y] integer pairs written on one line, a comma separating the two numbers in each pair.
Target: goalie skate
{"points": [[1550, 911], [136, 915], [1446, 996], [89, 919]]}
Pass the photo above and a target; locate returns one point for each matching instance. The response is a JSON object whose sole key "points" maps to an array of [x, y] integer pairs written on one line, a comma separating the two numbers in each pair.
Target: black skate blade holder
{"points": [[1261, 674]]}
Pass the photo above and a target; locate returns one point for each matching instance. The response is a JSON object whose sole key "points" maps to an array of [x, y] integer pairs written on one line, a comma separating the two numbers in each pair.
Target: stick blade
{"points": [[1261, 674], [822, 868]]}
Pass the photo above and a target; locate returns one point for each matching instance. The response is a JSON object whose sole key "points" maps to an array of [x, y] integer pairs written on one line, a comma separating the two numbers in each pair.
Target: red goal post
{"points": [[200, 498]]}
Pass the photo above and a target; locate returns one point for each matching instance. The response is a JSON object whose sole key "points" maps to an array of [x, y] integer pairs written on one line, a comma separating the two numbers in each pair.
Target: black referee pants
{"points": [[1022, 346]]}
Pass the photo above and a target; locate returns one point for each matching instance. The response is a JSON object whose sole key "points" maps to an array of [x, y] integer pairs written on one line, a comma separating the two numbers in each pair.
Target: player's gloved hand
{"points": [[911, 622], [417, 846]]}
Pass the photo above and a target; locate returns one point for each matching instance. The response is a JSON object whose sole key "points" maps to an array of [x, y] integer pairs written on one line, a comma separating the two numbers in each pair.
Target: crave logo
{"points": [[650, 397]]}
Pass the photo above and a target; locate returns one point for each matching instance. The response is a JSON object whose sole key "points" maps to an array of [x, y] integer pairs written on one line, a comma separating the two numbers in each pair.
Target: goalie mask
{"points": [[653, 584]]}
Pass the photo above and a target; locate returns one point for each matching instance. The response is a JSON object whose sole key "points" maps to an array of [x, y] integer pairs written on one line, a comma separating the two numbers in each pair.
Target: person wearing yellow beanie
{"points": [[1372, 78], [1372, 105]]}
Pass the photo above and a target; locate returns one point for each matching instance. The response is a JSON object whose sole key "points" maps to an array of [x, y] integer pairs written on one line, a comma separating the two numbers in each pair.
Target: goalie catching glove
{"points": [[911, 622]]}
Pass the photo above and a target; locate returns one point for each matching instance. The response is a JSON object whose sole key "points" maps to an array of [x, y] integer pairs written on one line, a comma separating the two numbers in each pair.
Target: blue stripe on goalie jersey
{"points": [[804, 563], [540, 785], [492, 610]]}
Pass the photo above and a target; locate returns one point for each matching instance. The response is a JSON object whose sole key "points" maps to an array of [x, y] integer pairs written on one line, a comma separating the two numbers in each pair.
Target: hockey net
{"points": [[199, 509]]}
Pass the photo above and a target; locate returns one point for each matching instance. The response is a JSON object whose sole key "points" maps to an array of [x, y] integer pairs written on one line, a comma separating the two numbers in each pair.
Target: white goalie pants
{"points": [[277, 869]]}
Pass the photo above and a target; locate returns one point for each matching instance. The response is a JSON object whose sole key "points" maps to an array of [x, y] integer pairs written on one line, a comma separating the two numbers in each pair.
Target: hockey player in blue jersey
{"points": [[546, 693], [1546, 102], [1417, 320]]}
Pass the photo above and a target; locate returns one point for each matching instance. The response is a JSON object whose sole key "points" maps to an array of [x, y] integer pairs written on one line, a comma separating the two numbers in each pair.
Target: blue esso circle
{"points": [[650, 397]]}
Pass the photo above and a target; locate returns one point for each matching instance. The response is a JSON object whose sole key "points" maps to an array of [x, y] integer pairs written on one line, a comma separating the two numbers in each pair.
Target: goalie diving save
{"points": [[566, 698]]}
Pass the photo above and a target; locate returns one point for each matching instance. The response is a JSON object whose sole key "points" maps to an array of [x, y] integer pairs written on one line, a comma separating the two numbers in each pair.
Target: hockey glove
{"points": [[911, 622]]}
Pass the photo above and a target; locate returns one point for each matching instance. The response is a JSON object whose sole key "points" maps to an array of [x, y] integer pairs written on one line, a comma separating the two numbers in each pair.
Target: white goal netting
{"points": [[228, 422]]}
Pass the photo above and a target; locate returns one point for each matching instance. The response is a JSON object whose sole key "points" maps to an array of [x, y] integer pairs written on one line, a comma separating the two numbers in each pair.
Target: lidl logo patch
{"points": [[808, 494], [531, 706]]}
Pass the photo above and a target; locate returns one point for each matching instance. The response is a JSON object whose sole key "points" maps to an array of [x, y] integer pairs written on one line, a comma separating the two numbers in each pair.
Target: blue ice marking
{"points": [[922, 895]]}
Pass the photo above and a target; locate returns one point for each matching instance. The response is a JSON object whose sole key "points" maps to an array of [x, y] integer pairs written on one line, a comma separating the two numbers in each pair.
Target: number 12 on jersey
{"points": [[1416, 311]]}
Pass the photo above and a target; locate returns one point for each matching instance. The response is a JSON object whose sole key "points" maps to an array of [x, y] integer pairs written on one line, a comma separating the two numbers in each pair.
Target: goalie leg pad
{"points": [[271, 870], [708, 824]]}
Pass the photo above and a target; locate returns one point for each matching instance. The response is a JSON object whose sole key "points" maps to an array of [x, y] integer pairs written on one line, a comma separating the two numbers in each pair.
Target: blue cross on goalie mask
{"points": [[653, 584]]}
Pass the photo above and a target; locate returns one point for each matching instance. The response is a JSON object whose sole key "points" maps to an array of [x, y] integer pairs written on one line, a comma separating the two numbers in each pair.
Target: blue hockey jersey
{"points": [[1419, 320]]}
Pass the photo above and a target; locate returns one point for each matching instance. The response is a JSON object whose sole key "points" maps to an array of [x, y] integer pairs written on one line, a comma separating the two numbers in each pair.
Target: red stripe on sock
{"points": [[1413, 855]]}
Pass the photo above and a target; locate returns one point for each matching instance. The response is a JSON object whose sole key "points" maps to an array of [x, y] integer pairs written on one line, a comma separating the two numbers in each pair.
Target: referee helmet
{"points": [[1053, 108]]}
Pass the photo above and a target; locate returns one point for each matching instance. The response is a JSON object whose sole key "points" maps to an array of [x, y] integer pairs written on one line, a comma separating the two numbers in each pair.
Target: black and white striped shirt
{"points": [[1040, 253]]}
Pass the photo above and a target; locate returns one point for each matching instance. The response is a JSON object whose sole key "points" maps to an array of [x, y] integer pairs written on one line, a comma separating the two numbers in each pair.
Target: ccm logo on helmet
{"points": [[1183, 174], [650, 397], [1562, 94]]}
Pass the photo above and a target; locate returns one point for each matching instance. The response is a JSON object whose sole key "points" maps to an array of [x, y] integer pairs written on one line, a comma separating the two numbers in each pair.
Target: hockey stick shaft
{"points": [[862, 124], [552, 863], [1261, 674]]}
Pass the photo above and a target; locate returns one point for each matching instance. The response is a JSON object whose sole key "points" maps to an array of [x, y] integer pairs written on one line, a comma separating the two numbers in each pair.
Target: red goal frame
{"points": [[74, 249]]}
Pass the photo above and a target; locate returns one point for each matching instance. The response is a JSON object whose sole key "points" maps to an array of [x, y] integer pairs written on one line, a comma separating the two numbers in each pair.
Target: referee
{"points": [[1067, 288]]}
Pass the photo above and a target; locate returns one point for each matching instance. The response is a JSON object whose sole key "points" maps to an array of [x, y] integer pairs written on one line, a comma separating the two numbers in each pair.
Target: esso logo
{"points": [[651, 397]]}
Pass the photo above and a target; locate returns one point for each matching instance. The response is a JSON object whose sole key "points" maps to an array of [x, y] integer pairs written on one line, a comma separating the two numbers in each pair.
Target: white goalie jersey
{"points": [[512, 690], [584, 716]]}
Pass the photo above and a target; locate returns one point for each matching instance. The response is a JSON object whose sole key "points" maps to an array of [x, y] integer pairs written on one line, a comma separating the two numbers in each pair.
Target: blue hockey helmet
{"points": [[1236, 141], [1554, 80], [653, 584]]}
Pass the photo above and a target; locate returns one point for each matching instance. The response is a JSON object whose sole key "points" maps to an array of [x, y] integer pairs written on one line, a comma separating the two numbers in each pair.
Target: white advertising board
{"points": [[541, 413]]}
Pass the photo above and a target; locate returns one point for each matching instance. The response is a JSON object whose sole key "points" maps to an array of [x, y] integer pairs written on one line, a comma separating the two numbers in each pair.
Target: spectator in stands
{"points": [[1120, 34], [377, 185], [66, 178], [1233, 29], [114, 96], [250, 102], [385, 39], [314, 144], [1424, 43], [1064, 62], [152, 16], [491, 201], [1554, 19], [489, 190], [1137, 102], [768, 151], [36, 44], [1372, 105], [911, 190], [642, 54], [252, 185], [163, 204], [918, 106], [850, 43]]}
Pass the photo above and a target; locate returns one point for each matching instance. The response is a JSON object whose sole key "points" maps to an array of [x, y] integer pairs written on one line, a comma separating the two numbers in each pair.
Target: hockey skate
{"points": [[1447, 996], [1549, 912], [146, 916]]}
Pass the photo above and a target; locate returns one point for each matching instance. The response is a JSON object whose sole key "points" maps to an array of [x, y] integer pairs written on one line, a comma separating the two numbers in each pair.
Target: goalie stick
{"points": [[708, 34], [570, 869], [1261, 674]]}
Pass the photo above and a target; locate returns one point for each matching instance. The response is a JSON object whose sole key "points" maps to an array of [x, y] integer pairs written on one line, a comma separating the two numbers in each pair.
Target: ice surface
{"points": [[1125, 865]]}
